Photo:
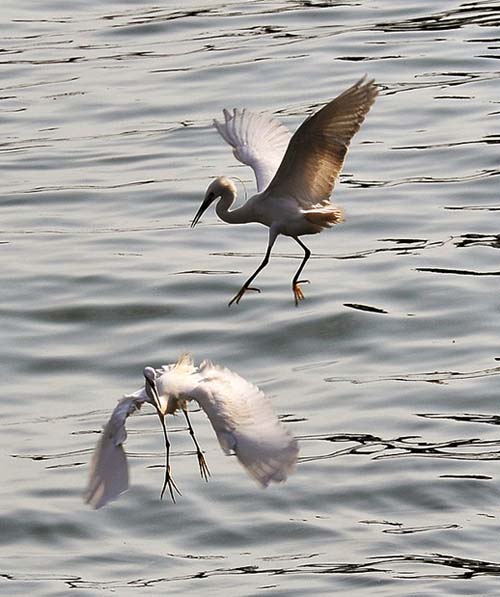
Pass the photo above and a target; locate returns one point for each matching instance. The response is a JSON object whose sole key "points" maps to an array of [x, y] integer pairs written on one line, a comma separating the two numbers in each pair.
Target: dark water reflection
{"points": [[407, 566]]}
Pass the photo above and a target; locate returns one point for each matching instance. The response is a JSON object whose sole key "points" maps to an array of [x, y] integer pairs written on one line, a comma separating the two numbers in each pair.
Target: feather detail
{"points": [[108, 476], [316, 152], [324, 218], [185, 363], [245, 424], [257, 140]]}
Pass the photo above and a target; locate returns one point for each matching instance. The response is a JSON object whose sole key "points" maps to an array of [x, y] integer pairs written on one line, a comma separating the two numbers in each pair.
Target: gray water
{"points": [[388, 372]]}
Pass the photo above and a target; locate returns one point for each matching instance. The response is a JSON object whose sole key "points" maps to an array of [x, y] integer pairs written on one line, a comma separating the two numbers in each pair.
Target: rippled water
{"points": [[388, 372]]}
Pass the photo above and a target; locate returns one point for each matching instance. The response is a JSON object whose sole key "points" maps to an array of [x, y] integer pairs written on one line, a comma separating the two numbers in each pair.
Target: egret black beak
{"points": [[152, 391], [207, 202]]}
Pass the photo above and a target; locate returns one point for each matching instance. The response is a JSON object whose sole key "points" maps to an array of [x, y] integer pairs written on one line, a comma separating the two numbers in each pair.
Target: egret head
{"points": [[217, 188], [149, 373]]}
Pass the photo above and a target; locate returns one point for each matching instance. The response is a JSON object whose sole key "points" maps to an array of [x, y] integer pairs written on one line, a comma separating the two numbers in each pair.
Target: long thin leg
{"points": [[204, 471], [297, 291], [168, 481], [152, 392], [246, 286]]}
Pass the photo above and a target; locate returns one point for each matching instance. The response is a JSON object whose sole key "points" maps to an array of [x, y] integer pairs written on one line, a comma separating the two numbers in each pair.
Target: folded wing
{"points": [[245, 424], [108, 476], [316, 152], [257, 141]]}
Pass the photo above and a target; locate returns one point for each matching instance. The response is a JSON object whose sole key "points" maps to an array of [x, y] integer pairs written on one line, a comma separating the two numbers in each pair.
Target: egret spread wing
{"points": [[316, 152], [257, 141], [108, 476], [245, 424]]}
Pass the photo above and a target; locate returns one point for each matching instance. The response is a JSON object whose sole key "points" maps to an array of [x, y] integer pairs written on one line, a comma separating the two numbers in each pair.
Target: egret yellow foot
{"points": [[237, 298], [297, 291]]}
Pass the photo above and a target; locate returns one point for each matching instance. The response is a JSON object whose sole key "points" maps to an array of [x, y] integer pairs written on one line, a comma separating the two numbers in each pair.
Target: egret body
{"points": [[295, 175], [240, 414]]}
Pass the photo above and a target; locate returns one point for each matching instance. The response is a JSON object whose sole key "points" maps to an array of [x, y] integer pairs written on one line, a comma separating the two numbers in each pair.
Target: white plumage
{"points": [[257, 141], [240, 414], [245, 423], [295, 175], [108, 476]]}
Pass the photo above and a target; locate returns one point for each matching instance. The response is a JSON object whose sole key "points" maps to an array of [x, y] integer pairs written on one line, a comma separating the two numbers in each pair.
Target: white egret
{"points": [[295, 174], [240, 414]]}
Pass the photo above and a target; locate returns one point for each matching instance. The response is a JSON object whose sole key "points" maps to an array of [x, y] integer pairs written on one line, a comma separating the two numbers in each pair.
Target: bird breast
{"points": [[175, 404], [174, 388], [274, 211]]}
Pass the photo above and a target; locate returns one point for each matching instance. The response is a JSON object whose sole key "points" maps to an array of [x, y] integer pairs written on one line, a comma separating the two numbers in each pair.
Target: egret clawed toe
{"points": [[170, 483], [297, 291], [238, 296]]}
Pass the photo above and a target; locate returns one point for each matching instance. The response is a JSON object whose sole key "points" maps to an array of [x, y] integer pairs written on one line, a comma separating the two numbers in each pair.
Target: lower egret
{"points": [[295, 175], [240, 414]]}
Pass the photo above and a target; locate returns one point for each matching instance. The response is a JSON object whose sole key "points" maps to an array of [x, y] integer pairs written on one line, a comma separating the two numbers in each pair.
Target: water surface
{"points": [[388, 372]]}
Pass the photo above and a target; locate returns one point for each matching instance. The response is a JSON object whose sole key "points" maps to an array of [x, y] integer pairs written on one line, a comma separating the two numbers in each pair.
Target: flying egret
{"points": [[240, 414], [295, 174]]}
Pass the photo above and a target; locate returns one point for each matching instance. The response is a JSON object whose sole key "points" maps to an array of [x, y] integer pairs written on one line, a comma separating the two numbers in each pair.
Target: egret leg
{"points": [[152, 392], [204, 470], [246, 286], [297, 291], [168, 481]]}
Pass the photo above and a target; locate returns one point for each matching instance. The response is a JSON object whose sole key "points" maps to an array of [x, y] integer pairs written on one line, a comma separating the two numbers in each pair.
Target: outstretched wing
{"points": [[316, 152], [108, 476], [245, 424], [257, 141]]}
